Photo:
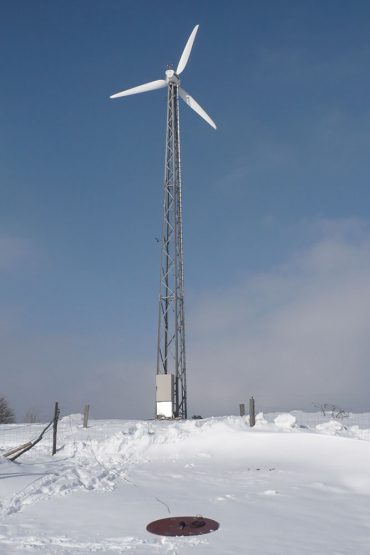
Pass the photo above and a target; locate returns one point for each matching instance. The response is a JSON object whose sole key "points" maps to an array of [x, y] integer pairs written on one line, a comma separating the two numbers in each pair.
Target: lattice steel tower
{"points": [[171, 361], [171, 322]]}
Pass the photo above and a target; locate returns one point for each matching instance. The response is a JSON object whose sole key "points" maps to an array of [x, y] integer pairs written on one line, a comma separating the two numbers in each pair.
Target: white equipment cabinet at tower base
{"points": [[164, 395]]}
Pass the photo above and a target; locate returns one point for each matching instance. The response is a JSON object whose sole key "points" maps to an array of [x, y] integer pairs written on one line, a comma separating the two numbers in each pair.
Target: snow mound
{"points": [[72, 420], [359, 433], [285, 421], [333, 427], [260, 419]]}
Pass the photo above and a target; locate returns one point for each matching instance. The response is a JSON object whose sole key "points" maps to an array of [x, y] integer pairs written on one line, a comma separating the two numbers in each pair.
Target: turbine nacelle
{"points": [[172, 76]]}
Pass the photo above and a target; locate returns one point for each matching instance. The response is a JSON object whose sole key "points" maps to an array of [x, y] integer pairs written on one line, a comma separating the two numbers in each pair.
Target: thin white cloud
{"points": [[291, 336]]}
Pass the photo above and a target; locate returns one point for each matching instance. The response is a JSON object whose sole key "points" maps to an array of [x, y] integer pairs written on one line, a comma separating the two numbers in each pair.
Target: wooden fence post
{"points": [[86, 415], [242, 409], [55, 426], [252, 412]]}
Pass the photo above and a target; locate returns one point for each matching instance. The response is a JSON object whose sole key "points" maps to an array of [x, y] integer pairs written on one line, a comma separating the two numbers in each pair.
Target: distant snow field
{"points": [[292, 485]]}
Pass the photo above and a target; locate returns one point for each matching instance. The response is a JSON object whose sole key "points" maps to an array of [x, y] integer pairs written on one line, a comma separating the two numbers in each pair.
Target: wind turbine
{"points": [[171, 362]]}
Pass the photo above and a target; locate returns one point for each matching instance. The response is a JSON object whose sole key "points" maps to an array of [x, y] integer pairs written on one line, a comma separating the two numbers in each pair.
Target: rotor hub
{"points": [[171, 77]]}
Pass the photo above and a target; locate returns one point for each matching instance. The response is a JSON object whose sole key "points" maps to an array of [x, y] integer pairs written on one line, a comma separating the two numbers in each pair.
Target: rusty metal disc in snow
{"points": [[183, 526]]}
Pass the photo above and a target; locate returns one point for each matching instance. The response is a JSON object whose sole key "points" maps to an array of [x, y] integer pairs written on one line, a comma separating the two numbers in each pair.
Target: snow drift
{"points": [[280, 487]]}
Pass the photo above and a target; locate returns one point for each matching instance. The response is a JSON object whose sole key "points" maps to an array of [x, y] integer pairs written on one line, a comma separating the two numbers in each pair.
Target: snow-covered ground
{"points": [[285, 487]]}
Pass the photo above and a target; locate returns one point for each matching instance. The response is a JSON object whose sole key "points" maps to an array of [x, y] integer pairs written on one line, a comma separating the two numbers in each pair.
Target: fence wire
{"points": [[12, 435]]}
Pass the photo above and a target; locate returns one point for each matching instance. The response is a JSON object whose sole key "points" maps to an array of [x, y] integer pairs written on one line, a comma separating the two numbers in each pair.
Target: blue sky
{"points": [[285, 176]]}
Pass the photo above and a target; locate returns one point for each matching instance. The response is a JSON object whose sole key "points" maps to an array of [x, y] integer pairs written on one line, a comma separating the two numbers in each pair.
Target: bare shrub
{"points": [[331, 410], [7, 415]]}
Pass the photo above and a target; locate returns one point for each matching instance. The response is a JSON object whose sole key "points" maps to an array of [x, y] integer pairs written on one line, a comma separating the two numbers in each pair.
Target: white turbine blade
{"points": [[142, 88], [198, 109], [185, 55]]}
